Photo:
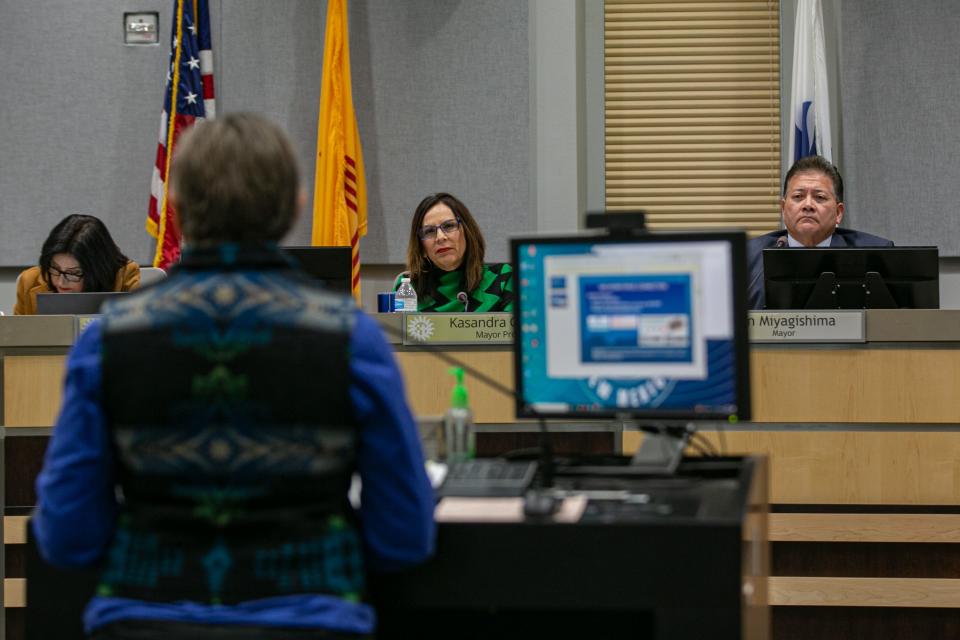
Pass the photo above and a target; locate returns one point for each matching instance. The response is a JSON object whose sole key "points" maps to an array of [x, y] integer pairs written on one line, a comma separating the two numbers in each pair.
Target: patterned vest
{"points": [[226, 393]]}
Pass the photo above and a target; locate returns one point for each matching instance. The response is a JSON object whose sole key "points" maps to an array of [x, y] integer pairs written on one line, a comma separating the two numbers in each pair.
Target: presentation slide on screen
{"points": [[622, 313], [636, 326]]}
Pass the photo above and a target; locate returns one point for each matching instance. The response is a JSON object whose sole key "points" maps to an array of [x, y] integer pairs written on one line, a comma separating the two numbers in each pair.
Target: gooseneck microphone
{"points": [[781, 242], [465, 299]]}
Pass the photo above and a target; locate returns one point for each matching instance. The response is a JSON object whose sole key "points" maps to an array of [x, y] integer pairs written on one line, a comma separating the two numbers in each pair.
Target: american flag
{"points": [[190, 87]]}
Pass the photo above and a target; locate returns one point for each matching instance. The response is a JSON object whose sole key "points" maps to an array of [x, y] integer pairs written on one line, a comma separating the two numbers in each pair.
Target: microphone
{"points": [[781, 242], [463, 298]]}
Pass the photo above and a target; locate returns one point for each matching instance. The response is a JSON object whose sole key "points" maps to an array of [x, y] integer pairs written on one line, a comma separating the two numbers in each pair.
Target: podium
{"points": [[660, 558]]}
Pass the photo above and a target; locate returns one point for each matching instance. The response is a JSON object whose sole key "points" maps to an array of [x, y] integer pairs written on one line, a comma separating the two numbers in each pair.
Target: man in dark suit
{"points": [[812, 208]]}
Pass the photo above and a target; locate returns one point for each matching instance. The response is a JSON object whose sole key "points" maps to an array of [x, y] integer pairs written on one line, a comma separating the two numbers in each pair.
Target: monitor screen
{"points": [[332, 266], [852, 278], [649, 326]]}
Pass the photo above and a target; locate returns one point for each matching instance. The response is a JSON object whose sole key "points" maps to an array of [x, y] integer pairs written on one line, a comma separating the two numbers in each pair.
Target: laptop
{"points": [[73, 304]]}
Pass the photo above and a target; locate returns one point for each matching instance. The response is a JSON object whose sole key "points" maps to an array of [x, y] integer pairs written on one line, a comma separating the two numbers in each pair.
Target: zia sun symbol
{"points": [[420, 328]]}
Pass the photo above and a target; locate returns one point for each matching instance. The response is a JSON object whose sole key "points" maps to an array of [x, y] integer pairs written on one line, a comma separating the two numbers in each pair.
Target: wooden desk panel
{"points": [[15, 529], [864, 592], [926, 528], [14, 592], [850, 467], [428, 383], [32, 388], [877, 386], [856, 385]]}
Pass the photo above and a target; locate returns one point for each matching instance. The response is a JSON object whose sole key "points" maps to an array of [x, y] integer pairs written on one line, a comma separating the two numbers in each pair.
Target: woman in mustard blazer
{"points": [[78, 255]]}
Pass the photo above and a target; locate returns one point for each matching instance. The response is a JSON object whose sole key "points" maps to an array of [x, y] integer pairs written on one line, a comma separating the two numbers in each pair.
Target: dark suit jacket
{"points": [[841, 238]]}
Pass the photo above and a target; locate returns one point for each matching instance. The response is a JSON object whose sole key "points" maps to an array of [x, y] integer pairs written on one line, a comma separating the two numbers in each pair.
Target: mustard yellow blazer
{"points": [[31, 282]]}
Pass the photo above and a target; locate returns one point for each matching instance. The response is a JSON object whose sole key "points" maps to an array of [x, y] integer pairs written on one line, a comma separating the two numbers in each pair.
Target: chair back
{"points": [[149, 275]]}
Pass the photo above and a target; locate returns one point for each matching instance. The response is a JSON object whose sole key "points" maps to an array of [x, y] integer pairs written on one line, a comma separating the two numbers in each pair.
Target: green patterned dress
{"points": [[494, 293]]}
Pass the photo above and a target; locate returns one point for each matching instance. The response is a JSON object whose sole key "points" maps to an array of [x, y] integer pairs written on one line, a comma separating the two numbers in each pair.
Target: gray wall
{"points": [[79, 116], [442, 90], [901, 85], [479, 97], [78, 123], [893, 85]]}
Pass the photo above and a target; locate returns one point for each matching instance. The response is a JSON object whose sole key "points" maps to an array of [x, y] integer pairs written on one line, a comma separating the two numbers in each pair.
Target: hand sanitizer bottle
{"points": [[458, 423]]}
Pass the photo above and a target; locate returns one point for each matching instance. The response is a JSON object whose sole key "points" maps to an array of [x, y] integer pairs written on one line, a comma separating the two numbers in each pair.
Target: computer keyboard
{"points": [[488, 477]]}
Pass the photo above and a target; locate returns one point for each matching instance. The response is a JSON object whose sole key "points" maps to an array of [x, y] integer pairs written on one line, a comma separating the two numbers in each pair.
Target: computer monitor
{"points": [[70, 304], [852, 278], [333, 266], [644, 326]]}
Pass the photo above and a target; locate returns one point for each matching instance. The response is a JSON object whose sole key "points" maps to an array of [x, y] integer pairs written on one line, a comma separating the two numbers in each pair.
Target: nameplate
{"points": [[457, 328], [807, 326]]}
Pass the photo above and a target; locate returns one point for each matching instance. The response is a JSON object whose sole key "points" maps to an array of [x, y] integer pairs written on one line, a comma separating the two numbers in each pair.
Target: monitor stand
{"points": [[824, 295], [872, 293], [876, 293], [660, 451]]}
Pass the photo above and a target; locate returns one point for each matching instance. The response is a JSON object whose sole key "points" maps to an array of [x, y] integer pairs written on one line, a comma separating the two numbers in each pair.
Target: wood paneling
{"points": [[863, 559], [32, 387], [16, 624], [22, 461], [864, 592], [862, 623], [14, 592], [850, 467], [856, 385], [429, 383], [15, 529], [874, 386], [864, 527], [15, 561]]}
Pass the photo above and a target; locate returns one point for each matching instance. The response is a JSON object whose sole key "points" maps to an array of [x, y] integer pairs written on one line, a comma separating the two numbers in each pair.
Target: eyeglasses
{"points": [[69, 276], [449, 227]]}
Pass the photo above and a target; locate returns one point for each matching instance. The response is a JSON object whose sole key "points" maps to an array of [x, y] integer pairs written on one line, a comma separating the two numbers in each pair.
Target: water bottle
{"points": [[406, 298]]}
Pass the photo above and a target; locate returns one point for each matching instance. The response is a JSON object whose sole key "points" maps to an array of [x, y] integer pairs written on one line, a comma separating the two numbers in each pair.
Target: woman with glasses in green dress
{"points": [[78, 255], [445, 261]]}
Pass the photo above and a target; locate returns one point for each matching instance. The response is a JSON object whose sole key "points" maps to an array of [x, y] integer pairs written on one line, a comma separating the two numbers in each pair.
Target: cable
{"points": [[703, 445], [722, 434], [686, 432]]}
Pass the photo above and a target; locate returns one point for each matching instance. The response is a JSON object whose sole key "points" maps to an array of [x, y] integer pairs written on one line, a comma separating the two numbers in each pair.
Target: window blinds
{"points": [[692, 112]]}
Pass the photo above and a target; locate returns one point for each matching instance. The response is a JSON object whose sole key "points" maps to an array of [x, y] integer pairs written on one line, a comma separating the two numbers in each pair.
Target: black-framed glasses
{"points": [[449, 227], [69, 276]]}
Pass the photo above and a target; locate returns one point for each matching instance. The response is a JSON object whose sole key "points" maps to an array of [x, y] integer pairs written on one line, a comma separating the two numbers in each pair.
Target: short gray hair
{"points": [[235, 179]]}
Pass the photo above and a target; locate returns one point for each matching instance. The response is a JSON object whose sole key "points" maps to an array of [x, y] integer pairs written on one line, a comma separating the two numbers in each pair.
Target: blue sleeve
{"points": [[76, 506], [396, 500]]}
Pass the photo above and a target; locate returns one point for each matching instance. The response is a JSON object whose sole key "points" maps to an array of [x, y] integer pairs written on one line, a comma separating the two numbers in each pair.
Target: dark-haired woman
{"points": [[78, 255], [445, 261]]}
